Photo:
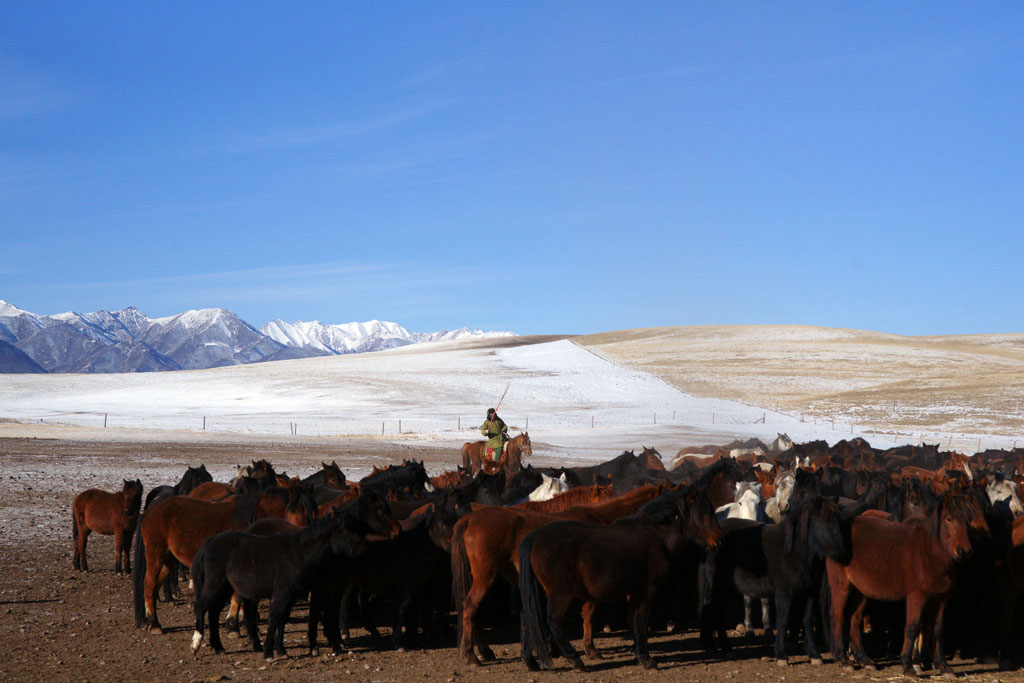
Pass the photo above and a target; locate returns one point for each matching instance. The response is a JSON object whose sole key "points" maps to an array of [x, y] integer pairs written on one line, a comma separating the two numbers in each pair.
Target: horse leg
{"points": [[250, 611], [783, 603], [156, 570], [558, 608], [224, 594], [915, 608], [275, 625], [231, 622], [857, 633], [839, 588], [397, 636], [748, 616], [126, 548], [940, 656], [640, 620], [118, 545], [366, 612], [809, 646], [588, 630], [766, 617], [331, 614], [83, 537], [470, 605]]}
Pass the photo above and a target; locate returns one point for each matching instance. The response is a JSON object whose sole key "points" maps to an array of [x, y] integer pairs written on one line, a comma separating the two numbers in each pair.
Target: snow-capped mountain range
{"points": [[129, 341]]}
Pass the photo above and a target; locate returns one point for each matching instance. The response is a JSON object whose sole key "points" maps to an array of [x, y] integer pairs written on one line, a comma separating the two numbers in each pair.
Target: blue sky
{"points": [[537, 167]]}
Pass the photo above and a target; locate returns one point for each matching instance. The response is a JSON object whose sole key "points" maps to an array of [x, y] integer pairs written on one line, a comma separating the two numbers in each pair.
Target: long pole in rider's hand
{"points": [[498, 406]]}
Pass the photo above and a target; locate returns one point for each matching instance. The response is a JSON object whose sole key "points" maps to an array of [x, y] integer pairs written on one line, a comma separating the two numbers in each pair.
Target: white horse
{"points": [[748, 504], [1004, 492], [778, 504], [549, 488]]}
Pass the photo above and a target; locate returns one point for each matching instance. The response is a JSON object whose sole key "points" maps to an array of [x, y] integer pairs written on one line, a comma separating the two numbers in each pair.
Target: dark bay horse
{"points": [[484, 548], [915, 561], [629, 559], [328, 475], [108, 514], [279, 567], [175, 528], [511, 456], [193, 477]]}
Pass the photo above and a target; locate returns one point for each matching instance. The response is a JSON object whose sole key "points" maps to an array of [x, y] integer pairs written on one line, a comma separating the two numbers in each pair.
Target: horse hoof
{"points": [[577, 664], [487, 655], [594, 654], [650, 664], [909, 673], [1006, 665], [848, 668], [156, 630], [472, 660], [870, 667], [781, 662], [816, 662], [315, 652], [197, 641]]}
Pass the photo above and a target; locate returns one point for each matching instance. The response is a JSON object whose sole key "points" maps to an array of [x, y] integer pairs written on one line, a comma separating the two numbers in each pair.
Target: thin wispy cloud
{"points": [[287, 137]]}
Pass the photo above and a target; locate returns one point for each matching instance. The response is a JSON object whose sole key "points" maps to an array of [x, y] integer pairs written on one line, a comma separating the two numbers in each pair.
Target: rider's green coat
{"points": [[496, 432]]}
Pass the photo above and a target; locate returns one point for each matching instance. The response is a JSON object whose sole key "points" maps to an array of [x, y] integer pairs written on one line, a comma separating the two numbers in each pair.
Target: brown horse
{"points": [[175, 528], [581, 495], [651, 459], [484, 547], [212, 490], [914, 561], [454, 479], [511, 456], [629, 559], [107, 514]]}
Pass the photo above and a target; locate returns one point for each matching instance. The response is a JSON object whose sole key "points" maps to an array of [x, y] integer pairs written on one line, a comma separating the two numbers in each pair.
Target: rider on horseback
{"points": [[496, 431]]}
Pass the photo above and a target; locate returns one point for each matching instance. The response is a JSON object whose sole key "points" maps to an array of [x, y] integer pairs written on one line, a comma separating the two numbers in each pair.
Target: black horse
{"points": [[408, 479], [280, 567], [785, 561], [402, 568]]}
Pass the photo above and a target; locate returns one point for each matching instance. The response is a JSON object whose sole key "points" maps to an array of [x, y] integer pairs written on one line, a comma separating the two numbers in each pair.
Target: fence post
{"points": [[655, 418], [204, 423], [712, 418], [591, 421], [460, 423], [382, 427], [104, 420], [399, 425], [527, 424]]}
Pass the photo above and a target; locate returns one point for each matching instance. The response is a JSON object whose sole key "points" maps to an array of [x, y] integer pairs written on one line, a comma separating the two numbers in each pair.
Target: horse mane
{"points": [[582, 495], [193, 477], [961, 507], [301, 498], [716, 468]]}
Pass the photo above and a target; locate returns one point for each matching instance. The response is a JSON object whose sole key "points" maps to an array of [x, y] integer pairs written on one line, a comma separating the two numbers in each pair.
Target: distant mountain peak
{"points": [[129, 341]]}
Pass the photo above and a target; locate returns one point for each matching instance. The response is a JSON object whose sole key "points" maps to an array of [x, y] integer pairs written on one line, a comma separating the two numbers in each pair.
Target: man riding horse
{"points": [[496, 431]]}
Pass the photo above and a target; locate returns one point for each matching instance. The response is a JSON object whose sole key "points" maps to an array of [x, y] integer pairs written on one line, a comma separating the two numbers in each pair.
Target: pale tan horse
{"points": [[511, 457]]}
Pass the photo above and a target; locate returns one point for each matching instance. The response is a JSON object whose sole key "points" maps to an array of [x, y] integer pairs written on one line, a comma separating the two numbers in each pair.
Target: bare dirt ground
{"points": [[60, 625]]}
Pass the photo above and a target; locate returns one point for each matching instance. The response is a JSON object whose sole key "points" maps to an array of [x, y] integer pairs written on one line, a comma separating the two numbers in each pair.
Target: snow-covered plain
{"points": [[571, 400]]}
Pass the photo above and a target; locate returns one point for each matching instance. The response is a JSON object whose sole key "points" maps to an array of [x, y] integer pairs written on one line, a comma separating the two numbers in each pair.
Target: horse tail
{"points": [[461, 573], [465, 455], [74, 524], [139, 577], [533, 633]]}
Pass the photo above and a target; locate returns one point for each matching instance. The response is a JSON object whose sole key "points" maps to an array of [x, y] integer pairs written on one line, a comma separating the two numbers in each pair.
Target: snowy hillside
{"points": [[571, 400]]}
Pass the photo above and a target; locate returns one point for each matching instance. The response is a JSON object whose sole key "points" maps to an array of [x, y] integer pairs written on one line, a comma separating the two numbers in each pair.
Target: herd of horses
{"points": [[907, 552]]}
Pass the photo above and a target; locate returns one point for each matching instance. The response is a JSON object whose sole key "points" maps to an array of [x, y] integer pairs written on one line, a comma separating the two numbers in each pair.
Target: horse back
{"points": [[101, 511]]}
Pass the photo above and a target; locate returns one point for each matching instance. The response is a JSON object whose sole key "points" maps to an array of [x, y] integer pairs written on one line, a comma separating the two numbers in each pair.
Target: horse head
{"points": [[1004, 491], [952, 521], [132, 491], [697, 515]]}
